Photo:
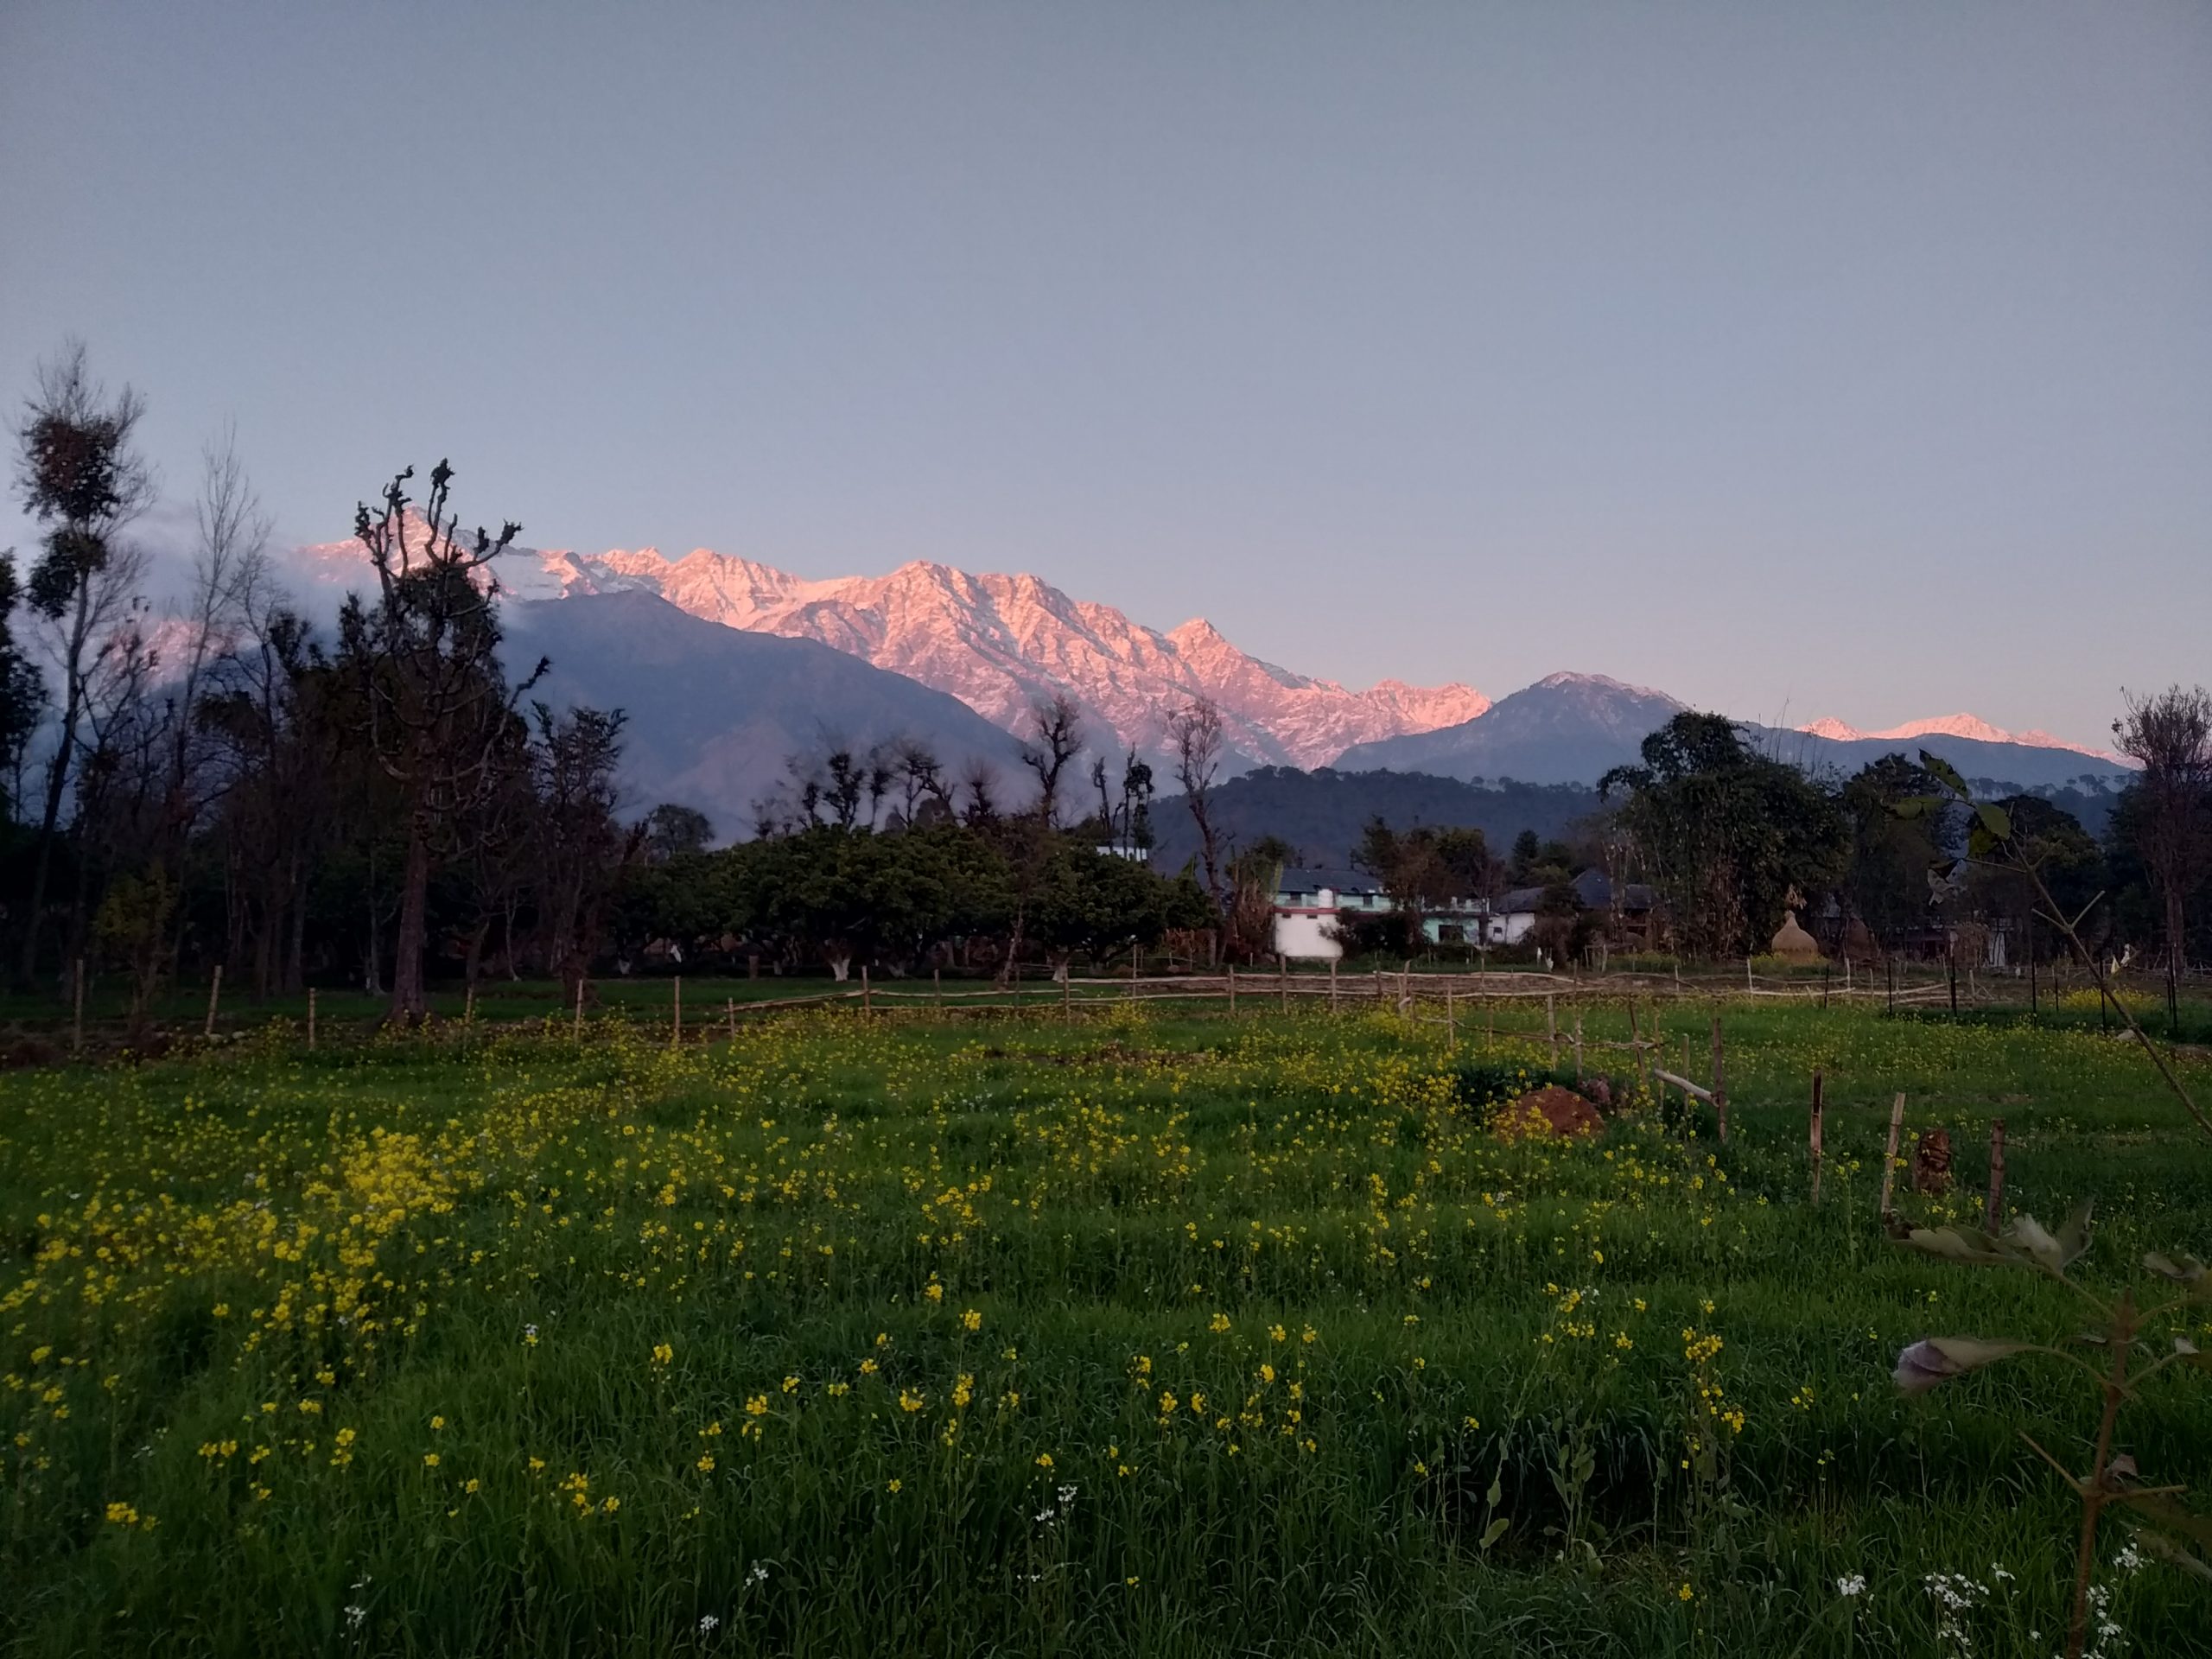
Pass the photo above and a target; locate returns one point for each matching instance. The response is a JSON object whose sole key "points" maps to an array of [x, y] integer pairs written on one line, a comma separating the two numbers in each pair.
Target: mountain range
{"points": [[1574, 728], [999, 644], [959, 659], [714, 714]]}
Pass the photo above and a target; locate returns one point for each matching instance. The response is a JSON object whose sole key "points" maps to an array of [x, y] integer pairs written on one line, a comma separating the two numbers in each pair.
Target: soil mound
{"points": [[1551, 1110]]}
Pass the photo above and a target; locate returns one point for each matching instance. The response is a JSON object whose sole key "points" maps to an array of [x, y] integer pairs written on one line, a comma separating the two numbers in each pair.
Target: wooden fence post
{"points": [[214, 997], [1890, 1157], [733, 1018], [310, 1017], [1332, 984], [1996, 1205], [867, 995], [676, 1006], [580, 1008], [1720, 1082], [468, 1004], [1578, 1042], [1067, 997], [1551, 1027], [1451, 1020], [77, 1011], [1813, 1137], [937, 986]]}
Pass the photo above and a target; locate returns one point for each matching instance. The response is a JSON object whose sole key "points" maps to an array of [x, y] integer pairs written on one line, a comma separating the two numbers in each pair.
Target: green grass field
{"points": [[1121, 1335]]}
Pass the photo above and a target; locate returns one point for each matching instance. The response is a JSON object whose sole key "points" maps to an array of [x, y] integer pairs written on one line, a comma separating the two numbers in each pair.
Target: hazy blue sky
{"points": [[1803, 359]]}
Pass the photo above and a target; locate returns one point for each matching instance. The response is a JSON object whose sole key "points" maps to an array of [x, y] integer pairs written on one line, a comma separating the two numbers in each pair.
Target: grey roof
{"points": [[1592, 891], [1303, 879]]}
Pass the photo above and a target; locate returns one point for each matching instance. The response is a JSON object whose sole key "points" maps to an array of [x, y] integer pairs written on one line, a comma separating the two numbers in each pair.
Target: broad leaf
{"points": [[2189, 1271], [1995, 819], [1969, 1245], [1945, 771], [2074, 1236], [1935, 1360]]}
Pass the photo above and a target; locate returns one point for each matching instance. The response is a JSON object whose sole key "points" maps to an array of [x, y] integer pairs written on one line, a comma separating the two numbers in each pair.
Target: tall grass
{"points": [[1106, 1336]]}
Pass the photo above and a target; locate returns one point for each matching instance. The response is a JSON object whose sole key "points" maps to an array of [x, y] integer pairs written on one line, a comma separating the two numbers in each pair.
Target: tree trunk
{"points": [[409, 1003], [57, 779]]}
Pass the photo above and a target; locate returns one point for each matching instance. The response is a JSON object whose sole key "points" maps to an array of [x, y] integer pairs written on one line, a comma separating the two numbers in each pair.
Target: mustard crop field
{"points": [[1122, 1335]]}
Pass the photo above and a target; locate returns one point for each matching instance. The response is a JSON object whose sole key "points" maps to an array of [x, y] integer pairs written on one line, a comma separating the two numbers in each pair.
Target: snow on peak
{"points": [[999, 642], [1972, 727]]}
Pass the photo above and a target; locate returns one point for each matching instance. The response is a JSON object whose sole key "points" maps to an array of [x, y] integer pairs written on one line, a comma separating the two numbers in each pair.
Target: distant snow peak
{"points": [[1972, 728], [999, 644]]}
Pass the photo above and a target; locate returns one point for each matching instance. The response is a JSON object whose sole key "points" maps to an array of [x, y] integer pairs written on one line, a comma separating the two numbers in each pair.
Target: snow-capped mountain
{"points": [[998, 643], [1970, 727]]}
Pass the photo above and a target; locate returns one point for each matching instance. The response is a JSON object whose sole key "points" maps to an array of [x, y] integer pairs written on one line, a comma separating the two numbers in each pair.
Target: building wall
{"points": [[1303, 935]]}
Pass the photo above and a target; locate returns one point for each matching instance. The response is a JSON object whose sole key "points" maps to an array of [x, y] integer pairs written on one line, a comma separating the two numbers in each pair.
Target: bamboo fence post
{"points": [[1132, 993], [676, 1005], [867, 995], [1451, 1020], [77, 1011], [1232, 990], [1578, 1042], [580, 1008], [1067, 997], [1747, 975], [311, 1018], [936, 985], [1890, 1157], [1813, 1137], [1996, 1204], [1490, 1020], [1282, 980], [1379, 992], [214, 997], [468, 1004], [1551, 1027], [1720, 1082], [1332, 984], [733, 1018]]}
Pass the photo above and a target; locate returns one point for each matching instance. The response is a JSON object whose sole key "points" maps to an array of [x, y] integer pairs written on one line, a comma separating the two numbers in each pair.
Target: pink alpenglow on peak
{"points": [[999, 644], [1970, 727]]}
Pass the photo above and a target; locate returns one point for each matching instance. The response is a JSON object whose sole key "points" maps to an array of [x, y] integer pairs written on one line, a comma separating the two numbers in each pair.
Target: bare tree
{"points": [[981, 781], [1194, 732], [2169, 733], [1058, 724], [79, 477], [439, 705]]}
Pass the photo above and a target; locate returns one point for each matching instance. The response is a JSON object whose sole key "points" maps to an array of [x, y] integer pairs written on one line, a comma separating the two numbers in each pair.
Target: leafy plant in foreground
{"points": [[2165, 1527]]}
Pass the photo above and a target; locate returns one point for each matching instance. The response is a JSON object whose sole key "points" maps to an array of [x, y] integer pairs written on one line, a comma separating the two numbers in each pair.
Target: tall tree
{"points": [[1194, 734], [1727, 832], [23, 694], [1057, 728], [580, 847], [439, 704], [80, 478], [2169, 735]]}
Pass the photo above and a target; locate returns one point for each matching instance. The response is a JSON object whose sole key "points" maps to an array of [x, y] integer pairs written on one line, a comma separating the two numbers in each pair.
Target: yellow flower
{"points": [[895, 1486], [429, 1459], [706, 1464], [663, 1353], [1686, 1593], [437, 1422], [1044, 1459], [971, 1320], [1220, 1323], [934, 1291]]}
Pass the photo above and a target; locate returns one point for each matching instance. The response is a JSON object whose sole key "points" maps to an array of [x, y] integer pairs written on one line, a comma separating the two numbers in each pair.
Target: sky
{"points": [[1847, 359]]}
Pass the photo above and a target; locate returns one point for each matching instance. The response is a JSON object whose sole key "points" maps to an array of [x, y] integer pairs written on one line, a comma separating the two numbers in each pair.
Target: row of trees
{"points": [[222, 782], [1726, 834]]}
